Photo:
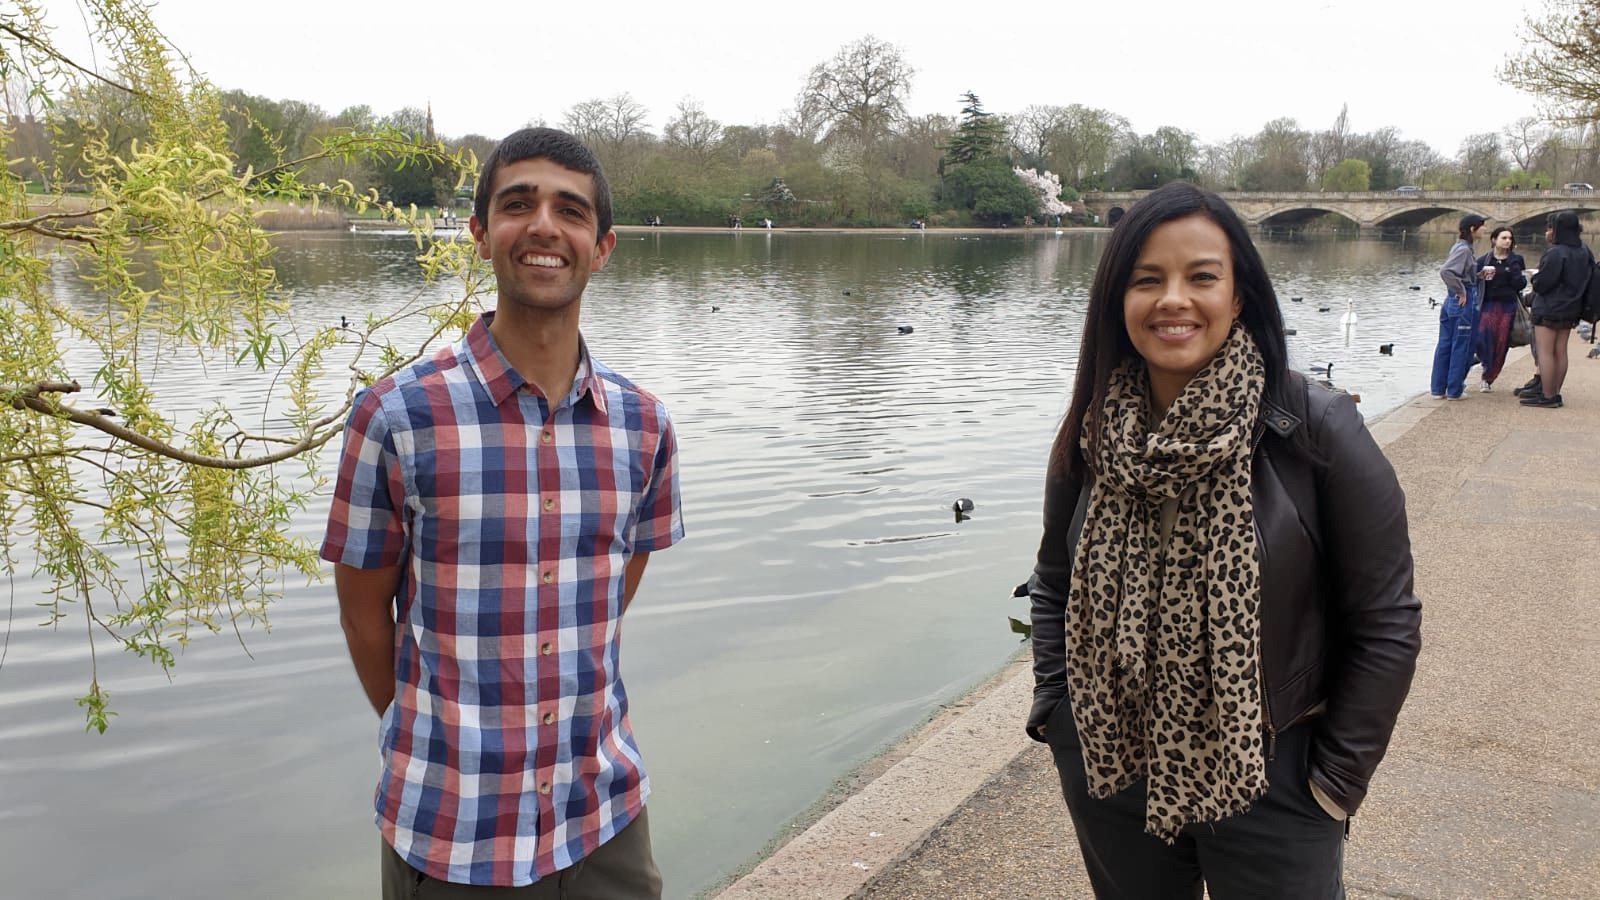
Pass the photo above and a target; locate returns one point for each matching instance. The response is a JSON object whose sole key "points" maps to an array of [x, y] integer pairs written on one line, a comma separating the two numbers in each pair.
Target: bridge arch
{"points": [[1296, 215]]}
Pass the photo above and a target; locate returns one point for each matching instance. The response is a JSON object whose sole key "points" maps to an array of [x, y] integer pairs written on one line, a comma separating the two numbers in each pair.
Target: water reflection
{"points": [[824, 603]]}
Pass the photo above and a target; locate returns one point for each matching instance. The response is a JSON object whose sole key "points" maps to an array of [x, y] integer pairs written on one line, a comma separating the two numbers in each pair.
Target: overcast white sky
{"points": [[1214, 67]]}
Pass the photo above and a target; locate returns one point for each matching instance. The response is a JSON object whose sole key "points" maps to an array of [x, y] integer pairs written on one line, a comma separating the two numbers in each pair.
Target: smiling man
{"points": [[494, 511]]}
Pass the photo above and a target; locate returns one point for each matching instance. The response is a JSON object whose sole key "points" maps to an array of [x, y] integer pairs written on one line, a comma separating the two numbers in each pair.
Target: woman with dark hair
{"points": [[1558, 289], [1502, 285], [1223, 622], [1458, 314]]}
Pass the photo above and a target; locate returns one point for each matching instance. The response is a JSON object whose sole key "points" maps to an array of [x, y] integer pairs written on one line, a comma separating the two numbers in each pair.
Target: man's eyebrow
{"points": [[523, 187]]}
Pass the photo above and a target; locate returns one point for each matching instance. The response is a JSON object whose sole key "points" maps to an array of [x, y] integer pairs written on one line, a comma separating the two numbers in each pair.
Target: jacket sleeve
{"points": [[1375, 620], [1458, 262], [1548, 278], [1515, 263], [1047, 590]]}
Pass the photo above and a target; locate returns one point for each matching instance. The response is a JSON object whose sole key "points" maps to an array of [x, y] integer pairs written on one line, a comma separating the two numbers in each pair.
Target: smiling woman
{"points": [[1183, 617]]}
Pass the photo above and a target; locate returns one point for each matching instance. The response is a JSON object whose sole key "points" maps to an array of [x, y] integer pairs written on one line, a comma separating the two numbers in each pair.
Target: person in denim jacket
{"points": [[1458, 314]]}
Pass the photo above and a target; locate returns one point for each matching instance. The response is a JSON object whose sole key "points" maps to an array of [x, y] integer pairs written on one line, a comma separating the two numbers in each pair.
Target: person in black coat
{"points": [[1500, 292], [1224, 625], [1558, 296]]}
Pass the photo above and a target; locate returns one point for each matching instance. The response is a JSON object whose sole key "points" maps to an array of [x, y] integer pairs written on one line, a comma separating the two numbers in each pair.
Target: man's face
{"points": [[540, 236]]}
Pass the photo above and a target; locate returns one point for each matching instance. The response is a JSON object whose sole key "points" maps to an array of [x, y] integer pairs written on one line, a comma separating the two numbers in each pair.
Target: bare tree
{"points": [[1034, 130], [862, 91], [691, 130], [1523, 138]]}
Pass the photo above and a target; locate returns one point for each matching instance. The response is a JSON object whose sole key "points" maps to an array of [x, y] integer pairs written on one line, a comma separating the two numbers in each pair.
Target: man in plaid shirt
{"points": [[494, 510]]}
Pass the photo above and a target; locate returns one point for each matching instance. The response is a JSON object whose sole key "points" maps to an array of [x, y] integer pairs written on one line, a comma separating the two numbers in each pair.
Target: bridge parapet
{"points": [[1375, 210]]}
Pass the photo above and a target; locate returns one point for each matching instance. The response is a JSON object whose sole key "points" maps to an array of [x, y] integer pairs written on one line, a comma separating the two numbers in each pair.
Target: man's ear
{"points": [[602, 251], [480, 236]]}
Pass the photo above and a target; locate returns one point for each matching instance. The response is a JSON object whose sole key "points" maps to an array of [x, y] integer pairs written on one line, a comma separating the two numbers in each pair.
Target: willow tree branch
{"points": [[41, 397]]}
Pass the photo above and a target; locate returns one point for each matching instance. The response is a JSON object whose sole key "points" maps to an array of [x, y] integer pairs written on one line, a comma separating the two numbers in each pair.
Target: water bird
{"points": [[343, 322], [108, 411], [1297, 299], [1326, 370], [1349, 318], [1432, 302], [1416, 287], [1594, 352], [905, 329], [1324, 309], [715, 308], [847, 293], [1291, 331], [1386, 349], [961, 507]]}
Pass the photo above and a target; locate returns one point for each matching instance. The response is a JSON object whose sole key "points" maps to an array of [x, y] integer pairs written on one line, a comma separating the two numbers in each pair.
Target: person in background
{"points": [[1458, 314], [1501, 289], [1558, 289], [1217, 679], [493, 514]]}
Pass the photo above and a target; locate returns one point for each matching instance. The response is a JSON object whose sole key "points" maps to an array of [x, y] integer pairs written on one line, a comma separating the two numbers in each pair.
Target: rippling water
{"points": [[825, 602]]}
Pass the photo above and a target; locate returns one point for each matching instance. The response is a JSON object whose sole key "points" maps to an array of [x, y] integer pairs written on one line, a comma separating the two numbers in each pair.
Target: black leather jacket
{"points": [[1340, 626]]}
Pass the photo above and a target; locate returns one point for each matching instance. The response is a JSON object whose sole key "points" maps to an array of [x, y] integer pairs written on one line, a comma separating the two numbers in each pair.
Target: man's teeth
{"points": [[534, 259]]}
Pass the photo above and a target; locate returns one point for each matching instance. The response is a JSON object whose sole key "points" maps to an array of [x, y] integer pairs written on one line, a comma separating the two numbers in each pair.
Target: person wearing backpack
{"points": [[1559, 287]]}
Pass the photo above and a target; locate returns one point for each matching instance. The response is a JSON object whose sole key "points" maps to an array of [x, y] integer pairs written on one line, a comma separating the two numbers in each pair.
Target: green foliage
{"points": [[1518, 180], [990, 192], [1348, 175], [980, 135], [154, 527]]}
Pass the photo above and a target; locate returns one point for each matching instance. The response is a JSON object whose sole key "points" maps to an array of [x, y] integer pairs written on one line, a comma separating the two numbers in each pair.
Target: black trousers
{"points": [[1285, 846]]}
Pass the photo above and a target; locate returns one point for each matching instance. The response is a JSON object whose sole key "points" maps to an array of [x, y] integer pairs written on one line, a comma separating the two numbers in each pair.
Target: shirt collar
{"points": [[482, 353]]}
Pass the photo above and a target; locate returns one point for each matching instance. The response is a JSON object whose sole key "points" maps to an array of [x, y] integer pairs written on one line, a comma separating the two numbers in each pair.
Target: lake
{"points": [[824, 603]]}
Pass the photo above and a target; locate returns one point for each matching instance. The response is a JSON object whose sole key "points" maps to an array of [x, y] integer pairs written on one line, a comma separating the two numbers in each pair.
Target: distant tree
{"points": [[1521, 180], [1522, 138], [404, 180], [691, 131], [1328, 148], [1281, 158], [990, 192], [1347, 175], [1046, 188], [979, 134], [1482, 162], [1558, 59], [861, 91]]}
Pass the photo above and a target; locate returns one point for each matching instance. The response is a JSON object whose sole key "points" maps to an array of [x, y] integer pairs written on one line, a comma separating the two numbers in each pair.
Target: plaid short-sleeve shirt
{"points": [[507, 752]]}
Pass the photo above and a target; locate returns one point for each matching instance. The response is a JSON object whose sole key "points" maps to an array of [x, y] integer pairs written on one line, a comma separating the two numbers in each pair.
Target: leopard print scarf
{"points": [[1162, 640]]}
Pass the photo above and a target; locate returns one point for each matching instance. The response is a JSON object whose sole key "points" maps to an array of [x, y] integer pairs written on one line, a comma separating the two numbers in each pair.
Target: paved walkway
{"points": [[1491, 788]]}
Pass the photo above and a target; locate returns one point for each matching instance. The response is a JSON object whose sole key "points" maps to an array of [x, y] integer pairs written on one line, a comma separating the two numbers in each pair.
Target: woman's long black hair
{"points": [[1105, 336]]}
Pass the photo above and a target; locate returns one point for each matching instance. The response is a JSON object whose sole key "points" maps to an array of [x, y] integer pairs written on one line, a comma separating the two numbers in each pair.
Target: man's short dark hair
{"points": [[560, 148]]}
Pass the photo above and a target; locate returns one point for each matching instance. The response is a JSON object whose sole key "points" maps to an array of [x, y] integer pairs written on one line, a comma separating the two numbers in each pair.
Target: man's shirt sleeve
{"points": [[365, 523], [660, 522]]}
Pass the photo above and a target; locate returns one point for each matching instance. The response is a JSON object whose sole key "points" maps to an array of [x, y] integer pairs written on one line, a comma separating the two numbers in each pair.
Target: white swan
{"points": [[1349, 318]]}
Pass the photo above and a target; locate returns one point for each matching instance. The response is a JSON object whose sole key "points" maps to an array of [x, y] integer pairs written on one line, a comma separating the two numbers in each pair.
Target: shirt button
{"points": [[548, 577], [549, 503], [545, 648], [544, 788], [546, 438], [549, 718]]}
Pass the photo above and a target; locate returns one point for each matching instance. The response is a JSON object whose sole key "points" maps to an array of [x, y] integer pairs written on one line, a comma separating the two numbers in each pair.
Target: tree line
{"points": [[849, 153]]}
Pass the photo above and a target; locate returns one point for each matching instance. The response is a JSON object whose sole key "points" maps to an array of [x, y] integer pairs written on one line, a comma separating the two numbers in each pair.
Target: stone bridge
{"points": [[1383, 211]]}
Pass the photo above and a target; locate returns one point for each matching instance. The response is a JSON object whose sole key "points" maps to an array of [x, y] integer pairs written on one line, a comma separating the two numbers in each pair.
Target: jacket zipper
{"points": [[1261, 669]]}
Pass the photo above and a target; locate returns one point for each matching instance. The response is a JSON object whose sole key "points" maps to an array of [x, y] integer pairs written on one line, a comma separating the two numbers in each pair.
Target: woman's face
{"points": [[1502, 241], [1181, 302]]}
